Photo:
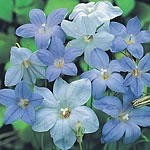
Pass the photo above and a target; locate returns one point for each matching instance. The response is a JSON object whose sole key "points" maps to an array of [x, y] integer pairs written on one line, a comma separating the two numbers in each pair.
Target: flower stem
{"points": [[57, 148], [80, 144], [42, 141]]}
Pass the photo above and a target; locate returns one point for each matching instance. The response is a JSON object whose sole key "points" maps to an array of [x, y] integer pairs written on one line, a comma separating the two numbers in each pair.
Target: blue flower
{"points": [[88, 36], [97, 13], [129, 37], [26, 65], [104, 74], [125, 119], [58, 60], [62, 110], [41, 28], [20, 103], [137, 75]]}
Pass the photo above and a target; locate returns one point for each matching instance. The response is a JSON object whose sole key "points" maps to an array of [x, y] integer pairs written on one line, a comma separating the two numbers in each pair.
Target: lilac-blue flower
{"points": [[129, 37], [125, 119], [25, 65], [59, 60], [41, 28], [63, 109], [104, 74], [137, 75], [20, 103]]}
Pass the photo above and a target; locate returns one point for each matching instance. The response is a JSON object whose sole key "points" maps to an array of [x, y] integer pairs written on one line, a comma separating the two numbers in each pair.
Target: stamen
{"points": [[90, 9], [65, 112], [88, 38], [136, 72], [124, 117], [105, 74], [59, 63], [23, 103], [26, 64]]}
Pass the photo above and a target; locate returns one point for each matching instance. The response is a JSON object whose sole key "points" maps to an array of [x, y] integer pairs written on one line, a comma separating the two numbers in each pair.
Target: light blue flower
{"points": [[62, 110], [87, 36], [59, 60], [25, 65], [97, 13], [138, 75], [20, 103], [129, 37], [125, 119], [104, 74], [41, 28]]}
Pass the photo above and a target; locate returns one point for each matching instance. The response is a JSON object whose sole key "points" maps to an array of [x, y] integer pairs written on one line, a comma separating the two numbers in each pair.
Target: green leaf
{"points": [[55, 4], [23, 3], [6, 10], [7, 65], [126, 5], [2, 110], [83, 65], [20, 125], [100, 0]]}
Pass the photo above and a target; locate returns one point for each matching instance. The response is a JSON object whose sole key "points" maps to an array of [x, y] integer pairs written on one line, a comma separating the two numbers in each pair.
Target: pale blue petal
{"points": [[98, 88], [71, 54], [112, 131], [115, 83], [62, 134], [91, 75], [86, 117], [45, 119], [13, 113], [29, 115], [118, 44], [132, 132], [79, 92], [27, 30], [99, 59], [7, 97], [128, 79], [111, 105], [37, 17], [69, 69], [137, 86], [18, 55], [36, 99], [11, 78], [133, 26], [136, 50], [52, 73], [140, 116], [144, 63], [146, 79], [143, 37], [56, 16]]}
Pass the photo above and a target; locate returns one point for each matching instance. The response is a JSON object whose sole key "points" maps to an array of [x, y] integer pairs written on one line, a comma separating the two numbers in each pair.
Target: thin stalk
{"points": [[42, 141], [80, 144]]}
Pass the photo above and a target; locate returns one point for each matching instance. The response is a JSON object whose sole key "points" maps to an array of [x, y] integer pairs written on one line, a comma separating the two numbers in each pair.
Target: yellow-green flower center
{"points": [[26, 63], [90, 9], [124, 117], [136, 72], [23, 103], [88, 38], [105, 74], [65, 112], [59, 63], [130, 39]]}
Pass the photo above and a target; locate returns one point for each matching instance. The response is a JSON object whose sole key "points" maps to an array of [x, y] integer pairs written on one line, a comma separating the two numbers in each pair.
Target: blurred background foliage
{"points": [[14, 13]]}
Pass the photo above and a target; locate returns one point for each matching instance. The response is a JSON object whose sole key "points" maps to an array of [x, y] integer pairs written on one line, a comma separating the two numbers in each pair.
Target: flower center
{"points": [[26, 63], [136, 72], [105, 74], [59, 63], [65, 112], [90, 9], [44, 29], [23, 103], [88, 38], [124, 117], [130, 39]]}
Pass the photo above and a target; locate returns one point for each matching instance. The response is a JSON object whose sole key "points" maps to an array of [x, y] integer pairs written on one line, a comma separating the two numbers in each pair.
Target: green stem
{"points": [[57, 148], [42, 141], [80, 144]]}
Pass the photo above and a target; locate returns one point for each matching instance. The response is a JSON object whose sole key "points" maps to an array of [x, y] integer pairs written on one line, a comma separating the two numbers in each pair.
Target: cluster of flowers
{"points": [[62, 111]]}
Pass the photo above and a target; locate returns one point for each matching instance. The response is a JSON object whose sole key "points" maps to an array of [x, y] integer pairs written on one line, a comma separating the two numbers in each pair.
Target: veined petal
{"points": [[79, 92], [56, 17], [128, 79], [86, 117], [146, 78], [111, 105], [27, 30], [62, 134], [136, 50], [143, 37], [36, 99], [7, 97], [11, 78], [37, 17], [13, 113]]}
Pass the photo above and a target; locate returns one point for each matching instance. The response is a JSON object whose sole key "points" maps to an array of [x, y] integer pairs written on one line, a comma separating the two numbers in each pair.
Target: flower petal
{"points": [[52, 73], [56, 16], [79, 92], [86, 117], [62, 134], [11, 78], [99, 59], [143, 37], [136, 50], [98, 88], [36, 99], [110, 105], [128, 79], [146, 78], [37, 17], [13, 113], [27, 30], [69, 69], [133, 26]]}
